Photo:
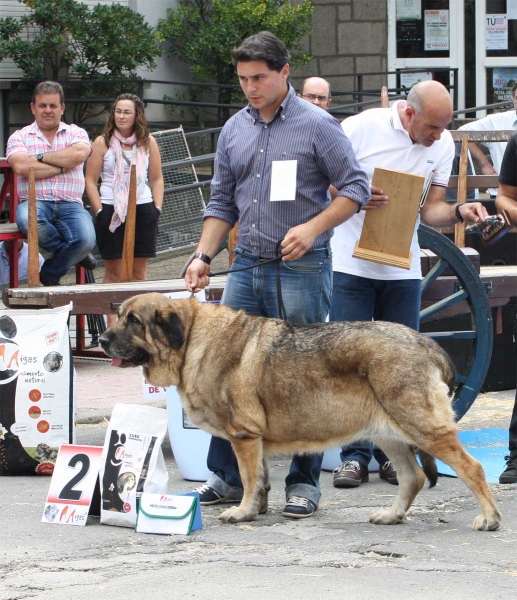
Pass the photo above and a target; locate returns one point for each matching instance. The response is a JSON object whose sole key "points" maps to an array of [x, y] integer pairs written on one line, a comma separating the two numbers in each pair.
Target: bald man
{"points": [[410, 136], [316, 91]]}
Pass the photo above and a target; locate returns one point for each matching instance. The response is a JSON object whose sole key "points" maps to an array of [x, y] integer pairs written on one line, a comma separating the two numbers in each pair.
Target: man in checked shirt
{"points": [[57, 152], [275, 161]]}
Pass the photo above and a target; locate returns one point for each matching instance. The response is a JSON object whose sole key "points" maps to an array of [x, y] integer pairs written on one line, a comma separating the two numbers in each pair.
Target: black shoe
{"points": [[47, 282], [388, 473], [299, 508], [207, 495], [509, 475], [89, 262], [350, 474]]}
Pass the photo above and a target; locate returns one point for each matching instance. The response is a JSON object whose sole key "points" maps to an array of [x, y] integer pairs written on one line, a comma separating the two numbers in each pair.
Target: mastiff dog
{"points": [[270, 387]]}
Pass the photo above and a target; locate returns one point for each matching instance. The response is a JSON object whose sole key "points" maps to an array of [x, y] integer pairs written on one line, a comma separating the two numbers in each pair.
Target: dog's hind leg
{"points": [[249, 453], [411, 480], [449, 450], [267, 486]]}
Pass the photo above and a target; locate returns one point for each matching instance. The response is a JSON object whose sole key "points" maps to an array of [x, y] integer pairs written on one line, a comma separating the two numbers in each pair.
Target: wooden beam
{"points": [[128, 252], [459, 230], [32, 234]]}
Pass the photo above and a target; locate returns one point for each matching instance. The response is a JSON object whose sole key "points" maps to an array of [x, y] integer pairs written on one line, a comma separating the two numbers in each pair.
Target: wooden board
{"points": [[388, 231]]}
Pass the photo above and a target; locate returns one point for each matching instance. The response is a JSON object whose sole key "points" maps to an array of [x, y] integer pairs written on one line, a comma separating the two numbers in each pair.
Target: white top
{"points": [[23, 262], [380, 140], [495, 122], [108, 168]]}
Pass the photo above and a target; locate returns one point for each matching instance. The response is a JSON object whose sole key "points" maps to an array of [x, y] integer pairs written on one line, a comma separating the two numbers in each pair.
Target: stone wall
{"points": [[348, 36]]}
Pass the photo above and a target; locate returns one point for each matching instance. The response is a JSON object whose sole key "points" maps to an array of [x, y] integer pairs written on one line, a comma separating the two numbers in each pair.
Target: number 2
{"points": [[68, 492]]}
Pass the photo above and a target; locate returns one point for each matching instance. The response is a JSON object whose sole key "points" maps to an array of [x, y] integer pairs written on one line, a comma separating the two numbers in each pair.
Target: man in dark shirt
{"points": [[507, 200]]}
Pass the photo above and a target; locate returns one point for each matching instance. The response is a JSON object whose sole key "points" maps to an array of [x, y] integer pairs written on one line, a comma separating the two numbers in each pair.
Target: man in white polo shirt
{"points": [[499, 121], [410, 136]]}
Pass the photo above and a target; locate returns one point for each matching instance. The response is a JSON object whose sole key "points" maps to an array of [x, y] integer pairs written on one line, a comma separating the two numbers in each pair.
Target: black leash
{"points": [[277, 259]]}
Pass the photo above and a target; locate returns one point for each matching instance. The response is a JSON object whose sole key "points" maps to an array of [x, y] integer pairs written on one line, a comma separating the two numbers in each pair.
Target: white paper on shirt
{"points": [[283, 180]]}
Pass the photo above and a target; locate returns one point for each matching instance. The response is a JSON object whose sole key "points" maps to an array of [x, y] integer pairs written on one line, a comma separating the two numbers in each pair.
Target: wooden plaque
{"points": [[388, 231]]}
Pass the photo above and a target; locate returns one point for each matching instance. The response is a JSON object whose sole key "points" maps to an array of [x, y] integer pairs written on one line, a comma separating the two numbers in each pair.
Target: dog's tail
{"points": [[429, 466]]}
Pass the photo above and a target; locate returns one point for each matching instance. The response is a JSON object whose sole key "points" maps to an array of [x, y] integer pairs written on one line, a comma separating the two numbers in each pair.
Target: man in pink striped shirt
{"points": [[57, 152]]}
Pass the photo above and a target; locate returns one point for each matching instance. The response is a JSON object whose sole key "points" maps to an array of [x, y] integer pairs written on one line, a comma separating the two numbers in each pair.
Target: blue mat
{"points": [[488, 446]]}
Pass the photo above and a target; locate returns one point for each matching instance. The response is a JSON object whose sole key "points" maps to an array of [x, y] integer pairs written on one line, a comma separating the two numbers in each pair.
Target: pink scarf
{"points": [[121, 180]]}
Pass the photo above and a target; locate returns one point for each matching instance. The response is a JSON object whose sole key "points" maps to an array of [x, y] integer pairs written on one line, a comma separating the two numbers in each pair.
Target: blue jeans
{"points": [[306, 287], [361, 299], [65, 229]]}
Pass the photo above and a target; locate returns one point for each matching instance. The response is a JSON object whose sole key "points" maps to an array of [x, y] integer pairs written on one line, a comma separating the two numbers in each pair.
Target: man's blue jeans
{"points": [[306, 287], [361, 299], [65, 229]]}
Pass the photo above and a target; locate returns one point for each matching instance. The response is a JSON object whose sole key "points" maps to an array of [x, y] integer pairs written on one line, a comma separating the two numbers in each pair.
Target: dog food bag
{"points": [[37, 404], [132, 461]]}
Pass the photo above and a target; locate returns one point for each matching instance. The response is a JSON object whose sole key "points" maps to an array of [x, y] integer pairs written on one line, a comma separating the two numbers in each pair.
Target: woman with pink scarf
{"points": [[125, 142]]}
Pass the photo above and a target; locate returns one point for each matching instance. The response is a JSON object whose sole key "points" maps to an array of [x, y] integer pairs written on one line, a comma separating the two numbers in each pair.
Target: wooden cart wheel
{"points": [[472, 366]]}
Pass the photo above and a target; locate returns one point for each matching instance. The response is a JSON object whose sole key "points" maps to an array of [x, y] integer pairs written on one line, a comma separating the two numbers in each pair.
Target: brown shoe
{"points": [[350, 474], [388, 473]]}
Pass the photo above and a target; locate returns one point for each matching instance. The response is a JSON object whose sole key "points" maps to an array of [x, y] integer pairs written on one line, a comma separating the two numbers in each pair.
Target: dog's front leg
{"points": [[249, 453]]}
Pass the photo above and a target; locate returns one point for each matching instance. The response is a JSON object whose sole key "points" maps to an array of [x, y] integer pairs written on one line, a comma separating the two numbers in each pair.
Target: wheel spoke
{"points": [[452, 335], [443, 304], [434, 273]]}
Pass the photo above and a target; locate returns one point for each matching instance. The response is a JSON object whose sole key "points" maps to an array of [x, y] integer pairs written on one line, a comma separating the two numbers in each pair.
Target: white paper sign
{"points": [[283, 180], [511, 9], [409, 9], [408, 80], [72, 485], [496, 32], [436, 27]]}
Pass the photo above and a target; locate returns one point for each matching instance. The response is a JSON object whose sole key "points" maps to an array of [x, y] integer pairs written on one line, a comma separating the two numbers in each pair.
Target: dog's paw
{"points": [[386, 517], [236, 514], [482, 523]]}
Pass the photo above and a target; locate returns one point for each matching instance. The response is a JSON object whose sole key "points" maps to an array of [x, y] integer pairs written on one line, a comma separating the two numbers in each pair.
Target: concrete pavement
{"points": [[337, 553]]}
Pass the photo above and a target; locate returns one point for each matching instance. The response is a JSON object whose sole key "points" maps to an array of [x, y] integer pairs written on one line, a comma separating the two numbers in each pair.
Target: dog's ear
{"points": [[171, 327]]}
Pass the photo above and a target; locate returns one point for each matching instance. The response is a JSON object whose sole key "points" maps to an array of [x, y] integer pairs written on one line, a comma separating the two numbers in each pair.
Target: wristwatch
{"points": [[39, 157], [204, 257]]}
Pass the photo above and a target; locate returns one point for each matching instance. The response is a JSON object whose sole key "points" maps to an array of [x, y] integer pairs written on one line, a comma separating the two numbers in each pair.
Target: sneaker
{"points": [[388, 473], [88, 262], [350, 474], [299, 508], [509, 475], [207, 495]]}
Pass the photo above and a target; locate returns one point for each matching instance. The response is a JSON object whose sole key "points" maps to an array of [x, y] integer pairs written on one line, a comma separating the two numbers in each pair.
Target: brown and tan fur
{"points": [[270, 387]]}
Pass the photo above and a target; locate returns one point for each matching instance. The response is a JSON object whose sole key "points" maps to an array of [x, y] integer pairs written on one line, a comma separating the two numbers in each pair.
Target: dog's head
{"points": [[151, 332]]}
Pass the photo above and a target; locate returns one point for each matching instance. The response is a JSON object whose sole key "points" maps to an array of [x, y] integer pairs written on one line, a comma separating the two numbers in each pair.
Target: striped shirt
{"points": [[242, 180], [67, 187]]}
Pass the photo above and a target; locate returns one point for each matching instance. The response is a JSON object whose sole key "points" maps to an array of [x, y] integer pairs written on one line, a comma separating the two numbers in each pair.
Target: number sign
{"points": [[72, 485]]}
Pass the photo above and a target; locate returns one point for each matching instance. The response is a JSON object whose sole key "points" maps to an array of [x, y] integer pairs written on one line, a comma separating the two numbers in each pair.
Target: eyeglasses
{"points": [[126, 113], [312, 97]]}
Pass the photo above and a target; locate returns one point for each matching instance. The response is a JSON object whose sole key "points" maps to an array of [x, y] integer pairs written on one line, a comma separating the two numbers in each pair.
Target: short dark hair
{"points": [[49, 87], [262, 46]]}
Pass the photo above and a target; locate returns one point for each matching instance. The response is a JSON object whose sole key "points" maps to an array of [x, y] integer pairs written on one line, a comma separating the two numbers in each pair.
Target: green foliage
{"points": [[203, 33], [70, 41]]}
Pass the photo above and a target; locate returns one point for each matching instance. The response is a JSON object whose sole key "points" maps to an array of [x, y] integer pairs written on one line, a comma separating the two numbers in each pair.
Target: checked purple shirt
{"points": [[241, 184]]}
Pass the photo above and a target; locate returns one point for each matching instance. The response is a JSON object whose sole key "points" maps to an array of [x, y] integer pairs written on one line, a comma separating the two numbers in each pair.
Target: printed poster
{"points": [[511, 9], [409, 10], [496, 32], [436, 28], [503, 79]]}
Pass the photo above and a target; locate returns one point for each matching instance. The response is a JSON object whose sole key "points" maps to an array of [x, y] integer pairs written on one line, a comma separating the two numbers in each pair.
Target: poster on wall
{"points": [[511, 9], [436, 28], [496, 32], [409, 9], [408, 80], [503, 79]]}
